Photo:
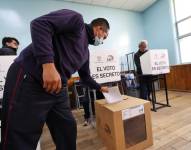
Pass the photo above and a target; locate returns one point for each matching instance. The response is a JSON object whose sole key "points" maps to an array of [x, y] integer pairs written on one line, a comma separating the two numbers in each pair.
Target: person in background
{"points": [[9, 46], [144, 80], [36, 84]]}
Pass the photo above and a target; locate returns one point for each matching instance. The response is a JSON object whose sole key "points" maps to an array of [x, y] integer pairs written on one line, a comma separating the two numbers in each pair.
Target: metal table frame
{"points": [[153, 92]]}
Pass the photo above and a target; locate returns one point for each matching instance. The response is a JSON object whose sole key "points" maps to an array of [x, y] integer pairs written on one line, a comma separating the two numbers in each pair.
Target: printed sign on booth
{"points": [[104, 66], [5, 62], [155, 62]]}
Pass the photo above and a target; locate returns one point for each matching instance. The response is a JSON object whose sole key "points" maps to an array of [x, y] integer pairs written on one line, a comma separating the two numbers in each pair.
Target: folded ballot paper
{"points": [[113, 96]]}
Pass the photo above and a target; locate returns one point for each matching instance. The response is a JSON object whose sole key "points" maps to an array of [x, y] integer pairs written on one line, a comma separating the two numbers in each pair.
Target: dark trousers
{"points": [[145, 87], [86, 104], [26, 107]]}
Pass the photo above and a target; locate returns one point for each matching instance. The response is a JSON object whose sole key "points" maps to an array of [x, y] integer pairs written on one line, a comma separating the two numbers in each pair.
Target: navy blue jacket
{"points": [[59, 37], [7, 51]]}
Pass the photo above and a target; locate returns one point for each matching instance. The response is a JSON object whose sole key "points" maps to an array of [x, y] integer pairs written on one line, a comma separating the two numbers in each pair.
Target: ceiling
{"points": [[133, 5]]}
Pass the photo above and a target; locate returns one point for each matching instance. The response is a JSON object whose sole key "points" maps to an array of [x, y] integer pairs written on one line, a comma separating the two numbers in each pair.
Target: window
{"points": [[185, 47], [183, 24], [184, 27]]}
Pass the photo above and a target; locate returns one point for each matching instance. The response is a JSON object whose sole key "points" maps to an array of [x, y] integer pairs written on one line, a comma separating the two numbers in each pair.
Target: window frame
{"points": [[180, 37]]}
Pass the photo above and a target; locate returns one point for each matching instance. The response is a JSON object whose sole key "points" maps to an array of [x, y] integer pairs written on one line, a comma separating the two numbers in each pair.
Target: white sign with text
{"points": [[5, 62], [132, 112], [155, 62], [105, 66]]}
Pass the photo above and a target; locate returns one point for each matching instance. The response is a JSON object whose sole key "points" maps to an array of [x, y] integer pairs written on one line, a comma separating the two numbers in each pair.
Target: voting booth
{"points": [[155, 62], [125, 125]]}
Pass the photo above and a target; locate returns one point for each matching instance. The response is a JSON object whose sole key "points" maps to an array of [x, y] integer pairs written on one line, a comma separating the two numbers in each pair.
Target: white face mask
{"points": [[98, 41]]}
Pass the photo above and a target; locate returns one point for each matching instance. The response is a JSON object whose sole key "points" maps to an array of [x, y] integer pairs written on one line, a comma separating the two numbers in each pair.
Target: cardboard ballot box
{"points": [[125, 125], [155, 62]]}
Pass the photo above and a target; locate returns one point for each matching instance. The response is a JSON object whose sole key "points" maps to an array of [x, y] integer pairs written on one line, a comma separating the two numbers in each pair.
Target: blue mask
{"points": [[98, 41]]}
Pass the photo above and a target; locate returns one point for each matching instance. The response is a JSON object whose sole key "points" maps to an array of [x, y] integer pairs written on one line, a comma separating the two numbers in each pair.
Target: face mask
{"points": [[15, 49], [98, 41]]}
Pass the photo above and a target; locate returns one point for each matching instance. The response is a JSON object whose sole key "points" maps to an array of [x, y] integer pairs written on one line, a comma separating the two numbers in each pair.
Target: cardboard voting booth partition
{"points": [[105, 66], [5, 62], [125, 125], [155, 62]]}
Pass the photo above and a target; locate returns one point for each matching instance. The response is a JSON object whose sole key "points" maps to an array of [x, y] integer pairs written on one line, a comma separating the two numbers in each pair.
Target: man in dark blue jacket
{"points": [[36, 90], [10, 46], [144, 80]]}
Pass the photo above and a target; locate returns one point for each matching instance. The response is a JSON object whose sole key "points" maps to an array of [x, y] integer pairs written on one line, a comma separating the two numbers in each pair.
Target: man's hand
{"points": [[104, 89], [51, 78]]}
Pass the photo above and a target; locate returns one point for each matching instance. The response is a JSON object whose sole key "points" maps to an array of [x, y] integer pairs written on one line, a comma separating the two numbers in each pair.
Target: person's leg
{"points": [[93, 107], [93, 99], [62, 124], [143, 88], [85, 103], [25, 106], [149, 86], [149, 90]]}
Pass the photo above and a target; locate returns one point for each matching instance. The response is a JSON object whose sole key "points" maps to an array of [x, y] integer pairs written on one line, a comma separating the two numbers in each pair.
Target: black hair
{"points": [[9, 40], [101, 22]]}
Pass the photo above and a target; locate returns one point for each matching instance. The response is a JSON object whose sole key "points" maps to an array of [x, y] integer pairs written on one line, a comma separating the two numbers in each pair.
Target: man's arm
{"points": [[44, 27], [42, 31], [86, 78]]}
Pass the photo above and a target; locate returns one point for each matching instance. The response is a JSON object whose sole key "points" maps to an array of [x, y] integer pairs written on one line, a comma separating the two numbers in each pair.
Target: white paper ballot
{"points": [[113, 95]]}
